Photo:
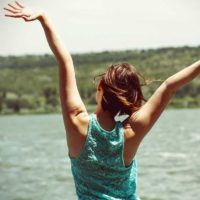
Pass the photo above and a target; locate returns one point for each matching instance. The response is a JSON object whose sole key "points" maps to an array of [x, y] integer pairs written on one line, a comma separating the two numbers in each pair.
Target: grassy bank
{"points": [[29, 84]]}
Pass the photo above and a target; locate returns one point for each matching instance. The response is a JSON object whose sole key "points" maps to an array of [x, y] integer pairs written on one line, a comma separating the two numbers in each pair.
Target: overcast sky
{"points": [[96, 25]]}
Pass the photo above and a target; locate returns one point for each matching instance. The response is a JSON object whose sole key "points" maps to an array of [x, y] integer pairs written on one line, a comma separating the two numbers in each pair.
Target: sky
{"points": [[100, 25]]}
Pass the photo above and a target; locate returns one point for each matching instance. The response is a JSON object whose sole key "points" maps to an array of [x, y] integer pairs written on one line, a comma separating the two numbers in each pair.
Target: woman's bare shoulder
{"points": [[128, 131]]}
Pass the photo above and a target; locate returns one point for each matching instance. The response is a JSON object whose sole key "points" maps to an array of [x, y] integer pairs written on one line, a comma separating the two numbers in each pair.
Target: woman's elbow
{"points": [[169, 87]]}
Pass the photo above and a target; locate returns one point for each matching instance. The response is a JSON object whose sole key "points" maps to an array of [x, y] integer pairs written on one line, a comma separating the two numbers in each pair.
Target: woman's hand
{"points": [[18, 10]]}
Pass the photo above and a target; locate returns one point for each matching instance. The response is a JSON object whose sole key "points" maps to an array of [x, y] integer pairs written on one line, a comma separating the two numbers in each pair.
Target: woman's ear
{"points": [[99, 87]]}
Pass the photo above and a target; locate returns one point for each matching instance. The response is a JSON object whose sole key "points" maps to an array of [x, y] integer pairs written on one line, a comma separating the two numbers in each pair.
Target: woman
{"points": [[102, 151]]}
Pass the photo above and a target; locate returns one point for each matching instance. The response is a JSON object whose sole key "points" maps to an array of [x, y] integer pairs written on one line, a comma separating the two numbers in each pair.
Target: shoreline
{"points": [[90, 109]]}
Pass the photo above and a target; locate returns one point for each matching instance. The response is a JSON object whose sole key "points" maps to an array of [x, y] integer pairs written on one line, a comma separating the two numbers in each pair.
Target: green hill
{"points": [[29, 84]]}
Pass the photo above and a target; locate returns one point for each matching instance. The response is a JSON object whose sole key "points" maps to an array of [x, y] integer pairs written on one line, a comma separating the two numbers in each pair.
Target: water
{"points": [[34, 162]]}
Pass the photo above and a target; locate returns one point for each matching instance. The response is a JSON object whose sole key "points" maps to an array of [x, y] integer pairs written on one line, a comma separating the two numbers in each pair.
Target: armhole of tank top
{"points": [[122, 156], [122, 135], [86, 140]]}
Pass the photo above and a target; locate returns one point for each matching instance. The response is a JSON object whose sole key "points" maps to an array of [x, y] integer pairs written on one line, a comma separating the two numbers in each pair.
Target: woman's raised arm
{"points": [[71, 102], [144, 119]]}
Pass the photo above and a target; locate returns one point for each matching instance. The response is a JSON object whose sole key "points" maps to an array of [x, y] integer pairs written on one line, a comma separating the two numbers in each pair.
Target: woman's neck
{"points": [[105, 119]]}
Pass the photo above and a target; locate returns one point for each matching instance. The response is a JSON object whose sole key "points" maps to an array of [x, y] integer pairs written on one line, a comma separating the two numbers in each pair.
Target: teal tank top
{"points": [[99, 171]]}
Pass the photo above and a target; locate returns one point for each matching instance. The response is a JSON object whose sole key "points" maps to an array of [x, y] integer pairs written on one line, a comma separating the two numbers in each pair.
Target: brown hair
{"points": [[121, 89]]}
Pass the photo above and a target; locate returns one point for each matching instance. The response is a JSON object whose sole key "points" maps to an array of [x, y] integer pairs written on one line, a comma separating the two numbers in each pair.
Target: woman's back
{"points": [[99, 170]]}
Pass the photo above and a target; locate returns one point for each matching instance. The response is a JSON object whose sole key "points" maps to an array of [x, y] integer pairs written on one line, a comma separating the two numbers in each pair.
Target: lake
{"points": [[34, 161]]}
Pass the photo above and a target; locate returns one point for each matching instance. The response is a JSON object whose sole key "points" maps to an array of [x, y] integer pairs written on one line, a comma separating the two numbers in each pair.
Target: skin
{"points": [[75, 115]]}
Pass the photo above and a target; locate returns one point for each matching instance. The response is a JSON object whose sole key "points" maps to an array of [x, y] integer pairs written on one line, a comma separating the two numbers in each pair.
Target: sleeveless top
{"points": [[99, 171]]}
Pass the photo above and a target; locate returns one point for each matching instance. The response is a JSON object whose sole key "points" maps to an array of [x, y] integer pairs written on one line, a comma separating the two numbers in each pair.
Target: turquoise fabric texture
{"points": [[99, 171]]}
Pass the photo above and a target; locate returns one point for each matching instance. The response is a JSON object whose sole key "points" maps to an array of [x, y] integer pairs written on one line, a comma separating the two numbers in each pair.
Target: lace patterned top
{"points": [[99, 171]]}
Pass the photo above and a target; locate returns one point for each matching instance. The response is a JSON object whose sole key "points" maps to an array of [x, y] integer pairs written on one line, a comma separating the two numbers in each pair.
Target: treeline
{"points": [[29, 84], [150, 55]]}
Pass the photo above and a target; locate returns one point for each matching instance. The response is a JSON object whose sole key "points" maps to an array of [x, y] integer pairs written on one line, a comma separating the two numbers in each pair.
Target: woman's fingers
{"points": [[11, 10], [19, 4], [13, 7], [27, 19], [17, 10], [14, 15]]}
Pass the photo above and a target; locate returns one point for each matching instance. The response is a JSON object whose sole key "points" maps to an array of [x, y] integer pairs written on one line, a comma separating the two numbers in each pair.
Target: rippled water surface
{"points": [[34, 163]]}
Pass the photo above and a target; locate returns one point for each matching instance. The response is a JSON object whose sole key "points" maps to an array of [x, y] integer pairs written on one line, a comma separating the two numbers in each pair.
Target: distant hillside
{"points": [[29, 84]]}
